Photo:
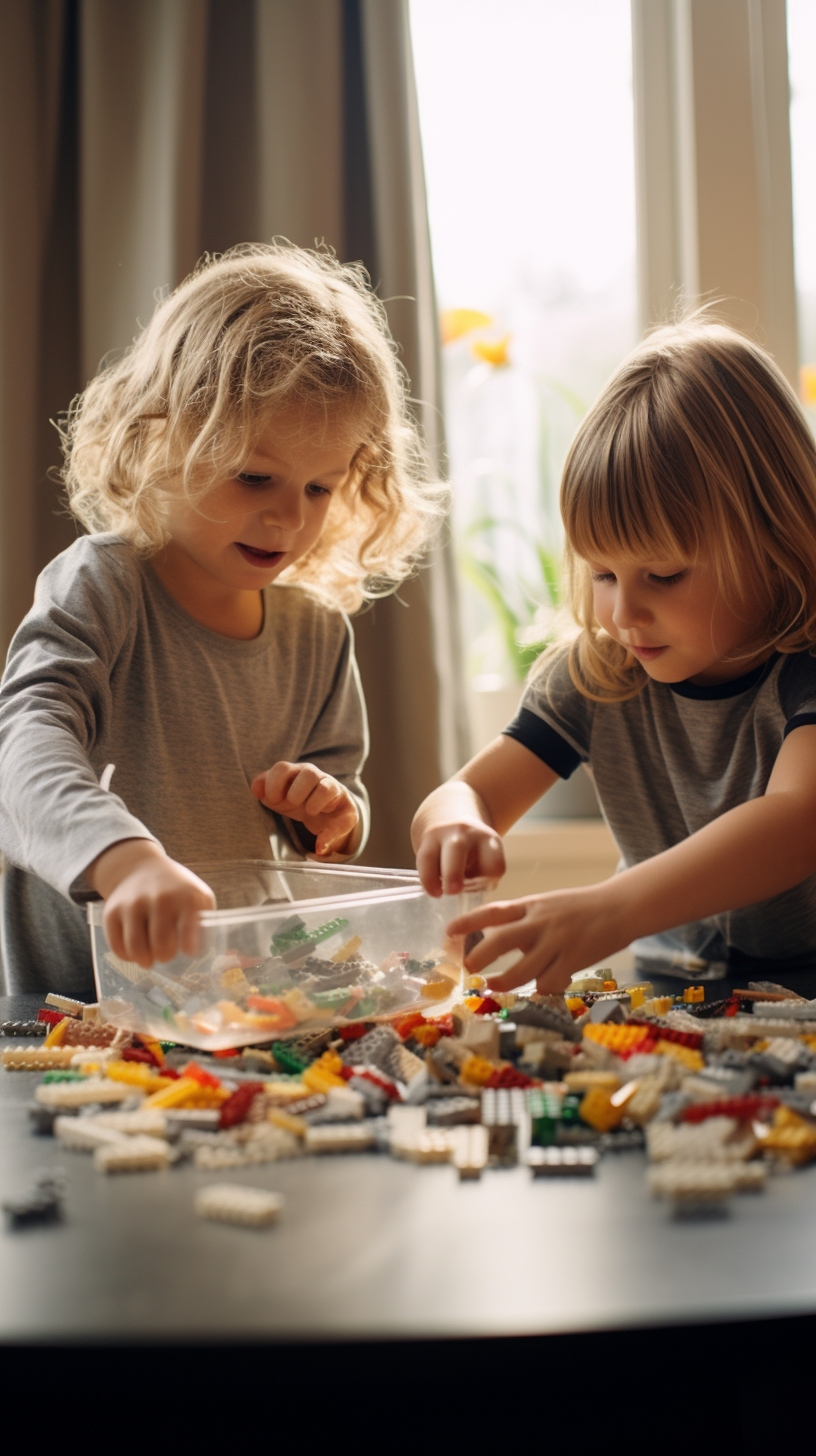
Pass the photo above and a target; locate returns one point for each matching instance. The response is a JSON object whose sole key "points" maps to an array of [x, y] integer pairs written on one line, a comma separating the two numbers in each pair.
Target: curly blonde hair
{"points": [[697, 448], [261, 327]]}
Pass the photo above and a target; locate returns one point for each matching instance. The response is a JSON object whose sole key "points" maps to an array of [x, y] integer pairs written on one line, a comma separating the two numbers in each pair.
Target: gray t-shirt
{"points": [[671, 760], [107, 668]]}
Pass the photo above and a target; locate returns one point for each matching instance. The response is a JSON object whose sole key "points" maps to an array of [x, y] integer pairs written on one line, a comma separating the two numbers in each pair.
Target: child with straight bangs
{"points": [[247, 473], [689, 689]]}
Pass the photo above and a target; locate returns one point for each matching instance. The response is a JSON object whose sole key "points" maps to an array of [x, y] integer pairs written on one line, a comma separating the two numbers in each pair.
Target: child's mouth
{"points": [[256, 557], [646, 654]]}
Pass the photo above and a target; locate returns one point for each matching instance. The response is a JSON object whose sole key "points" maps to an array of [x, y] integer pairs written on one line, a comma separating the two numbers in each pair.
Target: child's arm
{"points": [[751, 853], [152, 903], [301, 791], [456, 830]]}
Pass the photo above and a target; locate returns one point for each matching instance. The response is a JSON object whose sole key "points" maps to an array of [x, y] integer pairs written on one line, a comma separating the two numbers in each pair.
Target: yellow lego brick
{"points": [[617, 1038], [324, 1073], [436, 990], [574, 1003], [598, 1110], [174, 1093], [643, 991], [476, 1070], [348, 950], [136, 1074], [56, 1035], [790, 1137], [583, 1081], [288, 1121], [658, 1006], [693, 994], [695, 1061], [233, 976]]}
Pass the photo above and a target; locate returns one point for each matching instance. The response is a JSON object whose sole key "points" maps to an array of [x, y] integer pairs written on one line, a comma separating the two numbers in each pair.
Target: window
{"points": [[528, 143]]}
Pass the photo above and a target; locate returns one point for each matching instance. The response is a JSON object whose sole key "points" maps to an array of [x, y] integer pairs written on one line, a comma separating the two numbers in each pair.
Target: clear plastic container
{"points": [[291, 948]]}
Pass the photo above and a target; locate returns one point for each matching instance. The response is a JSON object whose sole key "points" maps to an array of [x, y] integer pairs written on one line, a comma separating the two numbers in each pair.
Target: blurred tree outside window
{"points": [[802, 71], [528, 144]]}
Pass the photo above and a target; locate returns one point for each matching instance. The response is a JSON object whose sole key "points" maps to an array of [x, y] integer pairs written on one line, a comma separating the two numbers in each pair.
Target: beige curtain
{"points": [[135, 135]]}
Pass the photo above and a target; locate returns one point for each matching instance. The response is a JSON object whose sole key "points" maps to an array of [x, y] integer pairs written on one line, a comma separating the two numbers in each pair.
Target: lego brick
{"points": [[230, 1203], [453, 1111], [470, 1151], [340, 1104], [265, 1145], [40, 1202], [81, 1094], [720, 1139], [67, 1004], [340, 1138], [139, 1123], [693, 1183], [23, 1028], [36, 1059], [83, 1135], [559, 1162], [132, 1155], [482, 1036], [431, 1145]]}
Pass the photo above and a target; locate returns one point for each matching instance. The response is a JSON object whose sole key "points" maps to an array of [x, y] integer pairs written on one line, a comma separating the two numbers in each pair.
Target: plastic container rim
{"points": [[210, 918]]}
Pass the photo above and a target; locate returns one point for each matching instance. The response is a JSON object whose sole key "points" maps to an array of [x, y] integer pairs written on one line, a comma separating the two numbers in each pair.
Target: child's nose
{"points": [[285, 510], [629, 611]]}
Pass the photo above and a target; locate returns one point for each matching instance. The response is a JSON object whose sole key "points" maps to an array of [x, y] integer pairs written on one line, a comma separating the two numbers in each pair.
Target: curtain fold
{"points": [[135, 136]]}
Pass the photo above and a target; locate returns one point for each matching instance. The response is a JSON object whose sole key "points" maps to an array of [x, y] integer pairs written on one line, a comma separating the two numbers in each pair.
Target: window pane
{"points": [[528, 141], [802, 70]]}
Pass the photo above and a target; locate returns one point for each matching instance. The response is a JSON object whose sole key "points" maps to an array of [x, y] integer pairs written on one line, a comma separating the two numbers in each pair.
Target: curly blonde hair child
{"points": [[262, 326]]}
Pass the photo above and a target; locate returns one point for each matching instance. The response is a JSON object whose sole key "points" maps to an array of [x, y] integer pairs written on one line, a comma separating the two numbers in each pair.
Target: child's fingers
{"points": [[452, 861], [427, 863], [272, 787], [497, 943], [135, 937], [491, 863]]}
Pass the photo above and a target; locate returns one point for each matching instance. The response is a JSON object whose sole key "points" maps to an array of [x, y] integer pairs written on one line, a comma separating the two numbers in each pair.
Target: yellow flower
{"points": [[454, 322], [492, 352], [807, 383]]}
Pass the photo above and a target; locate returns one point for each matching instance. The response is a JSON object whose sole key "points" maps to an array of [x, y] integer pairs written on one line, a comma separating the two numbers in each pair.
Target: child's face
{"points": [[674, 619], [247, 530]]}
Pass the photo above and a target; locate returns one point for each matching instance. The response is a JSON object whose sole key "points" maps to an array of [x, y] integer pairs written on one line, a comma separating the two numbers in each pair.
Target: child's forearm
{"points": [[753, 852]]}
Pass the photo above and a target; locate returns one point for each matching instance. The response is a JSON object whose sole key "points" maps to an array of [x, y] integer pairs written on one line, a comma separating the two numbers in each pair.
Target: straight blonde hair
{"points": [[697, 448], [260, 328]]}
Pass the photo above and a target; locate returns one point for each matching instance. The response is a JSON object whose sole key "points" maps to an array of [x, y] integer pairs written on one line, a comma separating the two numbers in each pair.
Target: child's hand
{"points": [[448, 854], [152, 903], [321, 804], [558, 934]]}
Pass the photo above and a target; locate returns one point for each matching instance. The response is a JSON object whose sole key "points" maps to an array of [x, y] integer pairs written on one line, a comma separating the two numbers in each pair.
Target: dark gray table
{"points": [[369, 1248]]}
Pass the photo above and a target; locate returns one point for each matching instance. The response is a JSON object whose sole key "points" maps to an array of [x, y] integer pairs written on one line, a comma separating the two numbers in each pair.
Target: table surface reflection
{"points": [[368, 1247]]}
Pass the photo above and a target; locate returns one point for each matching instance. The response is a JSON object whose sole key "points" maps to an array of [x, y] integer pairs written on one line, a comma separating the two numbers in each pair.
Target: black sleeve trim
{"points": [[799, 720], [544, 742]]}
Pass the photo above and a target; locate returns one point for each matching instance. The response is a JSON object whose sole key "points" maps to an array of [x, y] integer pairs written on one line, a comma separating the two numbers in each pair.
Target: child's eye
{"points": [[315, 489], [669, 580], [247, 479], [603, 576]]}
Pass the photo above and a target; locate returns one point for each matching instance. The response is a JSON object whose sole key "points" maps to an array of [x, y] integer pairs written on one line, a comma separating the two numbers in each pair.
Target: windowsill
{"points": [[556, 854]]}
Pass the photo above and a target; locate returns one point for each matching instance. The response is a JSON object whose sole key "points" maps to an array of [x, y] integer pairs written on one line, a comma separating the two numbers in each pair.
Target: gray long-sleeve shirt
{"points": [[107, 668]]}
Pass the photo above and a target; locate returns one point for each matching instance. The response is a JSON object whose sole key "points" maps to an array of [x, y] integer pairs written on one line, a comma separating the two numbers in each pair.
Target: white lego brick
{"points": [[230, 1203]]}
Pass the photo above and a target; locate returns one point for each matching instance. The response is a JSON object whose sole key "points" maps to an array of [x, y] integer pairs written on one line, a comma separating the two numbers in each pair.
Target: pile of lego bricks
{"points": [[718, 1093]]}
